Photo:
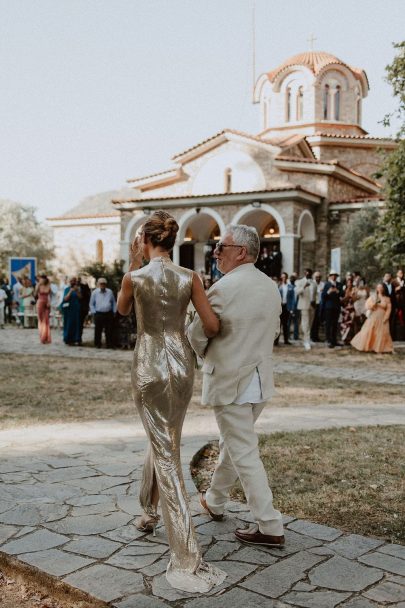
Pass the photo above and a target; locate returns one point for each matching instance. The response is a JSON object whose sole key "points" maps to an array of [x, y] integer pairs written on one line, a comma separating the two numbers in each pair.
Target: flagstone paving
{"points": [[68, 500], [71, 515]]}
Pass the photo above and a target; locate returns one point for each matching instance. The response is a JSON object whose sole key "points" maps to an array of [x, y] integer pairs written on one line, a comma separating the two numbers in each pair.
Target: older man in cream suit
{"points": [[306, 289], [238, 379]]}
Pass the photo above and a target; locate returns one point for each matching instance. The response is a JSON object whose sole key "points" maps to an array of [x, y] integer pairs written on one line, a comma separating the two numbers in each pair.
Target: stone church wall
{"points": [[76, 246], [363, 160]]}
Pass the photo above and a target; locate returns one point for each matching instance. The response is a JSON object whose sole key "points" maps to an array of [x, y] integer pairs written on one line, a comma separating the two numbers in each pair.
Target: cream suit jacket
{"points": [[248, 304], [306, 294]]}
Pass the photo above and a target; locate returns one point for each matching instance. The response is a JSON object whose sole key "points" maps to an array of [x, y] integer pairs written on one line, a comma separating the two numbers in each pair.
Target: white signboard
{"points": [[335, 259]]}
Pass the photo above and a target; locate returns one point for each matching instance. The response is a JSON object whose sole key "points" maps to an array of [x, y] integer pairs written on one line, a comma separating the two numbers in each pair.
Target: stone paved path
{"points": [[67, 507], [26, 341], [68, 499]]}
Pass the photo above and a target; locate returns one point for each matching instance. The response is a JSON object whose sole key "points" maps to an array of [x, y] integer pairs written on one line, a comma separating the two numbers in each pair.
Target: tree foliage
{"points": [[389, 237], [112, 272], [22, 235], [355, 255]]}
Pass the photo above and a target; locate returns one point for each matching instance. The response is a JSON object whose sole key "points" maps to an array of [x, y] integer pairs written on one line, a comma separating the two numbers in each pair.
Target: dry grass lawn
{"points": [[351, 479], [344, 357], [55, 389]]}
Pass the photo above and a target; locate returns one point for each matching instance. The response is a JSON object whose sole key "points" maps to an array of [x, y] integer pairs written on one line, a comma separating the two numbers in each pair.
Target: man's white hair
{"points": [[247, 237]]}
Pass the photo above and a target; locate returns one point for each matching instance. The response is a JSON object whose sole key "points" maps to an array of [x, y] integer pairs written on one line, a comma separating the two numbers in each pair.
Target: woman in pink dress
{"points": [[375, 334], [43, 291]]}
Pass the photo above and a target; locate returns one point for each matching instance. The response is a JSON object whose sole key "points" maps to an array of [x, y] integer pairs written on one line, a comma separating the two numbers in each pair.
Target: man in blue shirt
{"points": [[103, 308]]}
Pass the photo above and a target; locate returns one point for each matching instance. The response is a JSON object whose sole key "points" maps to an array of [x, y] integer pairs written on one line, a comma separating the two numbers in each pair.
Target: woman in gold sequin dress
{"points": [[162, 381]]}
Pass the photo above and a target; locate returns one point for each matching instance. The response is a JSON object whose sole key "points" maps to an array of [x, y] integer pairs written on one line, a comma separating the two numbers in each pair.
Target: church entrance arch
{"points": [[307, 239], [199, 231], [133, 226], [129, 236], [270, 227]]}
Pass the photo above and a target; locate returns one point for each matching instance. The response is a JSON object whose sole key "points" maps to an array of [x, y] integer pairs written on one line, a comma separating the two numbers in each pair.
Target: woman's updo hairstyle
{"points": [[161, 229]]}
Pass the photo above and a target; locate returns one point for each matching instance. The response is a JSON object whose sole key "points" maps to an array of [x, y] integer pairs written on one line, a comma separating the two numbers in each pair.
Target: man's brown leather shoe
{"points": [[252, 536], [204, 505]]}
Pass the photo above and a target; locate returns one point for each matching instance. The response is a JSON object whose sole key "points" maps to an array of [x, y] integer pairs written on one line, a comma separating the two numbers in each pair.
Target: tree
{"points": [[113, 273], [389, 236], [356, 256], [22, 235]]}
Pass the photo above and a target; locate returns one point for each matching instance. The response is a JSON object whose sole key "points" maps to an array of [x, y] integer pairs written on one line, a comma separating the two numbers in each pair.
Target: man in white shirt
{"points": [[238, 379], [305, 289], [103, 308]]}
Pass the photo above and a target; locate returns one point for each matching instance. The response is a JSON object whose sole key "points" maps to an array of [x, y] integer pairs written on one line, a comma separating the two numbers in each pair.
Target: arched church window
{"points": [[300, 103], [265, 116], [288, 104], [326, 102], [228, 179], [99, 252], [337, 103], [266, 112], [358, 108]]}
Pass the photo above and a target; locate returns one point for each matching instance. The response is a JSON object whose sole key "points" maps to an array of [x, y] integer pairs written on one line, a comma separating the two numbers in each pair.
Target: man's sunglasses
{"points": [[220, 246]]}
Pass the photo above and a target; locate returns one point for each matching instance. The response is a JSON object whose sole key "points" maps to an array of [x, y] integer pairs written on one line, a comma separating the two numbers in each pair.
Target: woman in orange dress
{"points": [[43, 291], [375, 334]]}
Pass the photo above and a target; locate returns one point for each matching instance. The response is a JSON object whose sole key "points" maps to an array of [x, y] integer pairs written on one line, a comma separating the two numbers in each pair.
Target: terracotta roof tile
{"points": [[196, 196], [83, 217], [223, 132], [357, 199], [135, 179], [336, 163], [315, 61], [348, 136]]}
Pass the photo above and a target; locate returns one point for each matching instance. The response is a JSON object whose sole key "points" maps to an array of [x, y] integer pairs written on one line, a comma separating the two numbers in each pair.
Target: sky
{"points": [[94, 92]]}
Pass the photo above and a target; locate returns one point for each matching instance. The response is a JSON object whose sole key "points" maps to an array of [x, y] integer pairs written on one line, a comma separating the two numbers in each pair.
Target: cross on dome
{"points": [[311, 41]]}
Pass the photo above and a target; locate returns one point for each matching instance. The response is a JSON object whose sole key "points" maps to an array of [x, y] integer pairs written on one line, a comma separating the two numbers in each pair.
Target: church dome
{"points": [[315, 61]]}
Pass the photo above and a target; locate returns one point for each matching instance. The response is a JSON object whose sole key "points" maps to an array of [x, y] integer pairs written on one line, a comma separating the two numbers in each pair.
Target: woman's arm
{"points": [[370, 303], [199, 298], [387, 310], [125, 296]]}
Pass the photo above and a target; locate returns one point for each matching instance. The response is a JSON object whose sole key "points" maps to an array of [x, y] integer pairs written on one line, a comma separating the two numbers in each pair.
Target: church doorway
{"points": [[307, 242], [198, 237], [270, 256]]}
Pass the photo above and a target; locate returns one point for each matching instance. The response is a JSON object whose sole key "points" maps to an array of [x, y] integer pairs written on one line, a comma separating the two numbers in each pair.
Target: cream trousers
{"points": [[239, 457], [307, 316]]}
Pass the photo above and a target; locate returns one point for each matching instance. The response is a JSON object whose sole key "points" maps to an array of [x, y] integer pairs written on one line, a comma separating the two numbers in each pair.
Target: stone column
{"points": [[288, 248], [124, 253], [176, 254]]}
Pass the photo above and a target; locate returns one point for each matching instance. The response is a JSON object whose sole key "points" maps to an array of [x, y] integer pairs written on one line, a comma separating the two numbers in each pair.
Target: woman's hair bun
{"points": [[161, 229]]}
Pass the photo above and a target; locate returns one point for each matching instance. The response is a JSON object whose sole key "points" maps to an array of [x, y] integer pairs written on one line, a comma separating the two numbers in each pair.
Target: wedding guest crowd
{"points": [[337, 312], [343, 312]]}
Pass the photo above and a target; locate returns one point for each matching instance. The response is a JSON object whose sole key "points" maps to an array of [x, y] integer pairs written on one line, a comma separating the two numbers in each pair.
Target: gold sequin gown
{"points": [[162, 381]]}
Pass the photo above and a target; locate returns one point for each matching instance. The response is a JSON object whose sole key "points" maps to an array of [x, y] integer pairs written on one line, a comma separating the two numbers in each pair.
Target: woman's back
{"points": [[162, 292], [163, 365]]}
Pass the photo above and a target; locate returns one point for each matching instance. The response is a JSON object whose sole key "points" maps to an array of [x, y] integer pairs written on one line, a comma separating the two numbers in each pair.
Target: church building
{"points": [[298, 180]]}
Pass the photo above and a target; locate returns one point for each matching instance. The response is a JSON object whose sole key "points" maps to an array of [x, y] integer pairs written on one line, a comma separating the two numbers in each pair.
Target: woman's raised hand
{"points": [[135, 252]]}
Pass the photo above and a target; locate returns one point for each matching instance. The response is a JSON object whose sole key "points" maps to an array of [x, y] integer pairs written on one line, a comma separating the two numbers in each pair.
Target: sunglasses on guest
{"points": [[221, 246]]}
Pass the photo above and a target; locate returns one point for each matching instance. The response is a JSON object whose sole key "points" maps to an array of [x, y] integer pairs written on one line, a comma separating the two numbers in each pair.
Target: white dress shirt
{"points": [[253, 392]]}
